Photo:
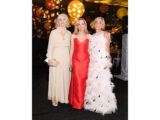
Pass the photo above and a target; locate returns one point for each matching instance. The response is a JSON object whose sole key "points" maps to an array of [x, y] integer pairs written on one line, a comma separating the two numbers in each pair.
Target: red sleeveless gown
{"points": [[80, 63]]}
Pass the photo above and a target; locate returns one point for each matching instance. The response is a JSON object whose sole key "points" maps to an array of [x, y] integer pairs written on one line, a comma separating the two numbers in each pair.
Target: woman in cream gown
{"points": [[59, 61]]}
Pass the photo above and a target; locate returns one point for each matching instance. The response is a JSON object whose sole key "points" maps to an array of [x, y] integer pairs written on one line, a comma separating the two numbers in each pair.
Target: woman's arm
{"points": [[50, 49], [89, 37], [108, 42], [71, 49], [108, 49]]}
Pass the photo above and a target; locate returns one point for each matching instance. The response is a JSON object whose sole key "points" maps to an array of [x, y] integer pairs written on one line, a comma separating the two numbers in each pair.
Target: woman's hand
{"points": [[108, 57], [50, 62], [53, 62]]}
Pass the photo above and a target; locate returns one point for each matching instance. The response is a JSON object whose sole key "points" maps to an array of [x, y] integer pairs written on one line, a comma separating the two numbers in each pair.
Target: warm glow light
{"points": [[72, 20], [78, 16], [39, 12], [123, 3], [52, 14], [58, 2], [121, 12], [74, 14], [57, 7], [57, 13], [44, 15], [79, 11], [47, 26], [75, 9], [50, 4], [105, 1], [47, 11], [74, 5], [91, 24]]}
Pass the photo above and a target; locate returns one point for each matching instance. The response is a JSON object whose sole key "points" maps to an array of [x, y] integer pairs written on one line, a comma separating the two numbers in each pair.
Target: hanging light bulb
{"points": [[75, 9]]}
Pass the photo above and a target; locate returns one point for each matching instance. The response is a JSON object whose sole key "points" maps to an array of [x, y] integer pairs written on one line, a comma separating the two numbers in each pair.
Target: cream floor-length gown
{"points": [[59, 76]]}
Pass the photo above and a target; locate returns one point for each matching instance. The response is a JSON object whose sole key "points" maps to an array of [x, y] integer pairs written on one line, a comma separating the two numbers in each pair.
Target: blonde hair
{"points": [[76, 28], [67, 20], [103, 22]]}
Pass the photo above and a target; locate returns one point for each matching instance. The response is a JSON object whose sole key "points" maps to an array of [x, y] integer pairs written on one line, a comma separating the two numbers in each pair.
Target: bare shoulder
{"points": [[88, 36], [69, 32], [73, 36], [106, 34], [53, 31]]}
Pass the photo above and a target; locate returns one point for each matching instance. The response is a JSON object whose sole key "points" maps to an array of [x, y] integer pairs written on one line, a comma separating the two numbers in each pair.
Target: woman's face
{"points": [[98, 24], [81, 25], [62, 21]]}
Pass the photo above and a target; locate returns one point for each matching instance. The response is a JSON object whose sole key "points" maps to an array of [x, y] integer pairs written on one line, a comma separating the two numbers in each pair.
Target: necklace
{"points": [[63, 35]]}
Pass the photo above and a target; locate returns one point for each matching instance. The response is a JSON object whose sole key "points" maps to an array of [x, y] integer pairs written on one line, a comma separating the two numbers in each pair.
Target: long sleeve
{"points": [[50, 45]]}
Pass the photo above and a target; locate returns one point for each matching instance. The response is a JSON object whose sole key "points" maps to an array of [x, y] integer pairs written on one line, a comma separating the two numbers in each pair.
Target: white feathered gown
{"points": [[99, 96]]}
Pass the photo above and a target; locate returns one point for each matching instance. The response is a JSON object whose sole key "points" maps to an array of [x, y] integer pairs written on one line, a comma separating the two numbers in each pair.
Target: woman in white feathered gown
{"points": [[99, 96]]}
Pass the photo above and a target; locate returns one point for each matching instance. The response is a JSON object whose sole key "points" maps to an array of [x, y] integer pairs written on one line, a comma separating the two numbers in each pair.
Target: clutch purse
{"points": [[55, 62], [46, 60]]}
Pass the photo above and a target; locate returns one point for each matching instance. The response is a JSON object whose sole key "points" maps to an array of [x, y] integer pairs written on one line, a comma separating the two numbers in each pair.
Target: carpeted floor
{"points": [[42, 109]]}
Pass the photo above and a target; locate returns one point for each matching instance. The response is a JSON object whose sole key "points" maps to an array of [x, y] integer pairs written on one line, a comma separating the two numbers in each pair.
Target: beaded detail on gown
{"points": [[99, 96]]}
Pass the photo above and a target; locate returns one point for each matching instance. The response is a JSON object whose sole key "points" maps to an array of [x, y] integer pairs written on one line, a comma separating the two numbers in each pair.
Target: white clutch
{"points": [[55, 63], [46, 60]]}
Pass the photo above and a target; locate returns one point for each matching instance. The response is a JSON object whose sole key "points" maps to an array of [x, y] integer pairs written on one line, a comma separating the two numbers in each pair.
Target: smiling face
{"points": [[62, 21], [99, 24], [81, 25]]}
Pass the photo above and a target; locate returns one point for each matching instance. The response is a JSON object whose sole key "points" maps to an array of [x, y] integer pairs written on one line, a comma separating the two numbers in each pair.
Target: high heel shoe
{"points": [[55, 104]]}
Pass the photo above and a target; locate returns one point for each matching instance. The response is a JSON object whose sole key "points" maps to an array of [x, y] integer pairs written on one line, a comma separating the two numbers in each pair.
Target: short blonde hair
{"points": [[103, 22], [76, 28], [67, 20]]}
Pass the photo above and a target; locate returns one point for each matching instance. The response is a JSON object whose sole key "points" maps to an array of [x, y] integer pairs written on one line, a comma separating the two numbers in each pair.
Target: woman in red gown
{"points": [[79, 63]]}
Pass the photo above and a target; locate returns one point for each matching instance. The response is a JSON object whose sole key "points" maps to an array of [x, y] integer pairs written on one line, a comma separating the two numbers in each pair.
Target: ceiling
{"points": [[122, 3]]}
